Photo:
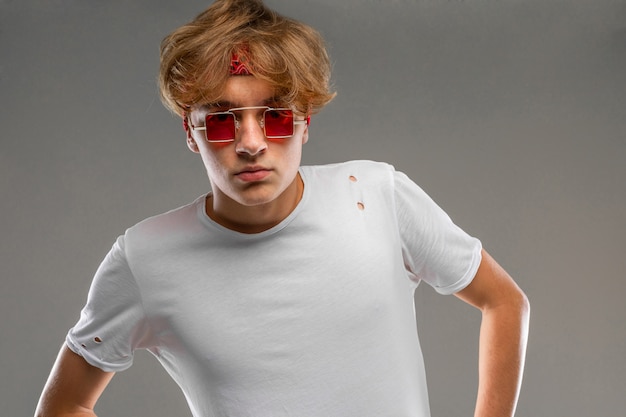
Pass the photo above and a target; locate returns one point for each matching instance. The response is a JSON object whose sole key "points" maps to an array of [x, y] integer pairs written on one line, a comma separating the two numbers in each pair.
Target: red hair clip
{"points": [[238, 65]]}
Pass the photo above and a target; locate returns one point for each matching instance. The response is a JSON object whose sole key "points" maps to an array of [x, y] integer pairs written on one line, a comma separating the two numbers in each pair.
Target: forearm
{"points": [[503, 336]]}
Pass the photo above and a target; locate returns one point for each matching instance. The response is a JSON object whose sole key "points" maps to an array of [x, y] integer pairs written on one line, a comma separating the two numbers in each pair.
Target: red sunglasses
{"points": [[276, 123]]}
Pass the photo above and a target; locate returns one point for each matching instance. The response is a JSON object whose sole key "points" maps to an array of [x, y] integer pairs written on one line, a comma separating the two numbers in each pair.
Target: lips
{"points": [[253, 173]]}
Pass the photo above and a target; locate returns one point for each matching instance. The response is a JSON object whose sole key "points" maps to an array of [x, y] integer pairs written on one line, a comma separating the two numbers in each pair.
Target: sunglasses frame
{"points": [[237, 123]]}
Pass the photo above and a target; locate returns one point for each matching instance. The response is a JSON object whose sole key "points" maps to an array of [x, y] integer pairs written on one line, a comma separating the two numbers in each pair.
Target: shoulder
{"points": [[172, 217], [357, 170], [351, 184], [168, 226]]}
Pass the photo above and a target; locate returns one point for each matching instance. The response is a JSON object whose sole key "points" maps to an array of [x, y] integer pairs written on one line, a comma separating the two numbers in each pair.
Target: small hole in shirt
{"points": [[97, 340], [360, 206], [352, 178]]}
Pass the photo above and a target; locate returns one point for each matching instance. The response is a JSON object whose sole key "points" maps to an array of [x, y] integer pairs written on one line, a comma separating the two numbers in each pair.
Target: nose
{"points": [[250, 136]]}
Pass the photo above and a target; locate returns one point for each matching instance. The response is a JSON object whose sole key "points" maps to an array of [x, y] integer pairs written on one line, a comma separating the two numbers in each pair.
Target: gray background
{"points": [[509, 113]]}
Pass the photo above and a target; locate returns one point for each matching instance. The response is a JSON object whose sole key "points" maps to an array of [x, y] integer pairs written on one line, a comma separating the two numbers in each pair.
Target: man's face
{"points": [[252, 170]]}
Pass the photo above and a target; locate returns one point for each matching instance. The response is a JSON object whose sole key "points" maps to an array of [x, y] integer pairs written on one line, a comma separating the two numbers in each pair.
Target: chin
{"points": [[256, 198]]}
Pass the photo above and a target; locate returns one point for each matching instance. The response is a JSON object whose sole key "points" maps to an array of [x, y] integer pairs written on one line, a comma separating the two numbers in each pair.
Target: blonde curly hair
{"points": [[291, 56]]}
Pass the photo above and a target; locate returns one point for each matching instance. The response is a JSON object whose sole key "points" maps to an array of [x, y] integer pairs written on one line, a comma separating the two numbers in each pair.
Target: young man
{"points": [[286, 290]]}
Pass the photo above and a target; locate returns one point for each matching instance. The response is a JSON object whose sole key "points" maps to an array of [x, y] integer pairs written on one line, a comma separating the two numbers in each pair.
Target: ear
{"points": [[191, 142], [192, 145], [305, 134]]}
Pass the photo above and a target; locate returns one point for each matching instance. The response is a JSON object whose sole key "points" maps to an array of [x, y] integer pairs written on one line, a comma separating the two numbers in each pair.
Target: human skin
{"points": [[503, 337], [255, 180], [256, 185]]}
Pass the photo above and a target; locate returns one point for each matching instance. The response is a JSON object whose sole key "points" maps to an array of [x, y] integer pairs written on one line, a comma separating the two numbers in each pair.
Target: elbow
{"points": [[514, 303], [517, 301], [520, 308], [523, 303]]}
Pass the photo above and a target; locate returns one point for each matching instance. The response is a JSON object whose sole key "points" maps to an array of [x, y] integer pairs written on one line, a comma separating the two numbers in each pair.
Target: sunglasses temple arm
{"points": [[307, 121]]}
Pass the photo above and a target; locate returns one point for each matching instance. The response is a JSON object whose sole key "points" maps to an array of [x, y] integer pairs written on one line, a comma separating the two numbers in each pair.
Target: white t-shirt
{"points": [[314, 317]]}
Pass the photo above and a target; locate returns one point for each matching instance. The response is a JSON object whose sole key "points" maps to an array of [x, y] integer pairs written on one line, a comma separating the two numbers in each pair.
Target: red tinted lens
{"points": [[220, 126], [278, 123]]}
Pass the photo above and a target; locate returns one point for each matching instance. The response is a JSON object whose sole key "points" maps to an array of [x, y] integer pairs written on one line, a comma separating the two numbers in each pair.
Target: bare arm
{"points": [[503, 335], [73, 387]]}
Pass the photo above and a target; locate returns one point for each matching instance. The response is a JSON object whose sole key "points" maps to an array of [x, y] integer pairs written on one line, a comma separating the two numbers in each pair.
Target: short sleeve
{"points": [[112, 324], [435, 250]]}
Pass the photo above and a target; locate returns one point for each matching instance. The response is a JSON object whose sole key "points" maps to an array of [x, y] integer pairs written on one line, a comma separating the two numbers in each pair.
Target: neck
{"points": [[257, 218]]}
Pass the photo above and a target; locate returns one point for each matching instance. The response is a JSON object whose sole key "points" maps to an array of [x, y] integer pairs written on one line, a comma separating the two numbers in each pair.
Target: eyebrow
{"points": [[230, 105]]}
